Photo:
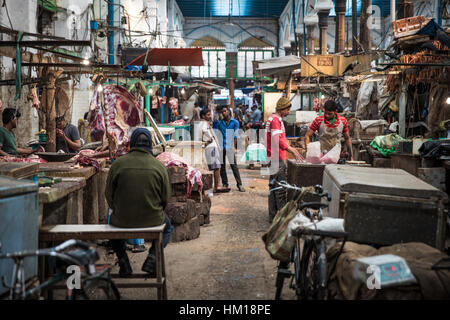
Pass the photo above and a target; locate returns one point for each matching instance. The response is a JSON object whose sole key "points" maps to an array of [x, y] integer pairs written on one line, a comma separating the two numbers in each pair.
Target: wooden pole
{"points": [[354, 27], [288, 86], [364, 31], [50, 113]]}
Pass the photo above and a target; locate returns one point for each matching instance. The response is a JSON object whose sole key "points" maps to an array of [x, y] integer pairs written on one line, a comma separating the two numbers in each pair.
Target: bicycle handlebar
{"points": [[284, 185], [313, 205], [53, 252]]}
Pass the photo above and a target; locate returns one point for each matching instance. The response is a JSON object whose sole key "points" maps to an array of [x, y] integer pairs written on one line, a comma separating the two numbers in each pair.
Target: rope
{"points": [[18, 79]]}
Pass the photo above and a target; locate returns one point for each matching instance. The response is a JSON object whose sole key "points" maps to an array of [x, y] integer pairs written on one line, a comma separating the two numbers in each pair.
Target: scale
{"points": [[383, 271]]}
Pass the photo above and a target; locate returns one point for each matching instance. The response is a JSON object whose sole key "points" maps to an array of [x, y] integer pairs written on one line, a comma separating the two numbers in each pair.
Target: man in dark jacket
{"points": [[137, 191]]}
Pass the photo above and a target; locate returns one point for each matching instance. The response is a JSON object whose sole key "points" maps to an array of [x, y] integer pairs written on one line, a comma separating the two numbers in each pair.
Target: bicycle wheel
{"points": [[310, 287], [297, 268], [98, 289], [279, 284], [282, 271]]}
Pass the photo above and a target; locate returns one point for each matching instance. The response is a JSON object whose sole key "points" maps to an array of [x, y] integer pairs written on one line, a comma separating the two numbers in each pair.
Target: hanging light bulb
{"points": [[99, 87], [150, 92], [183, 91], [448, 100], [85, 62]]}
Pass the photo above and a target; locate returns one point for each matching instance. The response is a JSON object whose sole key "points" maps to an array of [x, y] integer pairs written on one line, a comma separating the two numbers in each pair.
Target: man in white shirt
{"points": [[212, 148]]}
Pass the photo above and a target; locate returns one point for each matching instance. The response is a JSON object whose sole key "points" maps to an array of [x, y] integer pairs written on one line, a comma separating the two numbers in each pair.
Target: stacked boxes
{"points": [[188, 214]]}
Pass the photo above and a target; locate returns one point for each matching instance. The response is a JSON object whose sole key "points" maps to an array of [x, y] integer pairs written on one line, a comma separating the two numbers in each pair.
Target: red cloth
{"points": [[172, 56], [275, 131], [315, 125]]}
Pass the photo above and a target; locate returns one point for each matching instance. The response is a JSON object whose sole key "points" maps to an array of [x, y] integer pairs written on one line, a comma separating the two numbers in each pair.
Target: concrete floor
{"points": [[228, 261]]}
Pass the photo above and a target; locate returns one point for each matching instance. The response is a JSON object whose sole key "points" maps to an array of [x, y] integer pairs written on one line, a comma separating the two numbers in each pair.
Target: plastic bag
{"points": [[313, 153], [333, 155]]}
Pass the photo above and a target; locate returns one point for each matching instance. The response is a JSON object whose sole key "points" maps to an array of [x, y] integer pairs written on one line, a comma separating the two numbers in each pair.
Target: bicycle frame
{"points": [[314, 244], [17, 288]]}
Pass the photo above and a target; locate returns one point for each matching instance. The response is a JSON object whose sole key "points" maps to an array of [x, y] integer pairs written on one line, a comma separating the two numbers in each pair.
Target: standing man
{"points": [[8, 144], [228, 128], [212, 153], [332, 129], [67, 136], [137, 191], [239, 115], [196, 115], [256, 116], [277, 146]]}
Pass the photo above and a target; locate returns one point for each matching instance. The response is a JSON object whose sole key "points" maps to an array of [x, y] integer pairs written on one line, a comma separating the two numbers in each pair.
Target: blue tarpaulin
{"points": [[432, 29]]}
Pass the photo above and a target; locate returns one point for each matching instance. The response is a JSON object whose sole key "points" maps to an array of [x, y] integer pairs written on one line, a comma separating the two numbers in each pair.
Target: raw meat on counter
{"points": [[30, 159], [193, 175]]}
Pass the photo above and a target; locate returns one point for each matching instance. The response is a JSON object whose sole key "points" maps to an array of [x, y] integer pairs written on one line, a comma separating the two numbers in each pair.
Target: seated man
{"points": [[8, 145], [137, 191], [67, 136]]}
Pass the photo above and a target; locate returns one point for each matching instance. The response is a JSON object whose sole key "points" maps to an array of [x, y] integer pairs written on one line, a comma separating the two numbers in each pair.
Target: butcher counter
{"points": [[88, 199]]}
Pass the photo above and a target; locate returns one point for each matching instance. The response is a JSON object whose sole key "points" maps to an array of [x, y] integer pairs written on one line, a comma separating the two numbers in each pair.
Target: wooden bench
{"points": [[90, 232]]}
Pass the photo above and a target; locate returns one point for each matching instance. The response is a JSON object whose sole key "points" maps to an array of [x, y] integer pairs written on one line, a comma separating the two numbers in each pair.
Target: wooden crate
{"points": [[300, 150], [407, 162], [409, 26]]}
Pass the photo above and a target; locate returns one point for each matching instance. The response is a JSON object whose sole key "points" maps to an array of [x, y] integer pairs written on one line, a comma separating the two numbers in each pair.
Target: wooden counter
{"points": [[62, 169], [66, 197], [90, 191], [18, 170]]}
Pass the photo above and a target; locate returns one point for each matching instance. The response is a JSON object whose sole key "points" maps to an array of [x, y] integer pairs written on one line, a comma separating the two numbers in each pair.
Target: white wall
{"points": [[231, 36], [20, 11]]}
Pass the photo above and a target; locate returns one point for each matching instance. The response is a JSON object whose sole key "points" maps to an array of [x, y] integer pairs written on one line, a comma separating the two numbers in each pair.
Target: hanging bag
{"points": [[277, 240]]}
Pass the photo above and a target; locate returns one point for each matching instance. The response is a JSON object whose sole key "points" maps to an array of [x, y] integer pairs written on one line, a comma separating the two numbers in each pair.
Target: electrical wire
{"points": [[7, 13]]}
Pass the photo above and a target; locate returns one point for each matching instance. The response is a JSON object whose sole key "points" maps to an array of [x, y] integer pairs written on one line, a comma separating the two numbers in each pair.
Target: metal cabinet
{"points": [[19, 211], [385, 206]]}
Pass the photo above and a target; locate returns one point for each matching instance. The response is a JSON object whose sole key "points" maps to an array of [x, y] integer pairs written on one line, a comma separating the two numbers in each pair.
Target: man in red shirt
{"points": [[276, 144], [332, 129]]}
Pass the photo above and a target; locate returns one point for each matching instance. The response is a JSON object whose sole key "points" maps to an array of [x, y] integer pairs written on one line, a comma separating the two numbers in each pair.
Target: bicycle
{"points": [[310, 276], [95, 281]]}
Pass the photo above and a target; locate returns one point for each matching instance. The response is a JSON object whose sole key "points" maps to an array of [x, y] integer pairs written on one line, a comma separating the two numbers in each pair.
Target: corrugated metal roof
{"points": [[256, 8], [242, 8]]}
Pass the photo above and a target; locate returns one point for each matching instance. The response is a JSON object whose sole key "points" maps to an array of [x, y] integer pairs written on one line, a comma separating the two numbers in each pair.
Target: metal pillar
{"points": [[405, 9], [354, 27], [323, 25], [340, 7], [393, 11], [402, 108], [111, 32], [310, 38], [364, 31]]}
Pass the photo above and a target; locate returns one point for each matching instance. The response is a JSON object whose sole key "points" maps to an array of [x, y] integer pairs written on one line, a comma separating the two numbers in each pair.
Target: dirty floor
{"points": [[228, 261]]}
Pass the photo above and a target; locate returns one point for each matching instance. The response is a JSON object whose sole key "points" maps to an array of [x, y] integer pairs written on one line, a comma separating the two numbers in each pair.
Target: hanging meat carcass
{"points": [[173, 102], [33, 96], [118, 112]]}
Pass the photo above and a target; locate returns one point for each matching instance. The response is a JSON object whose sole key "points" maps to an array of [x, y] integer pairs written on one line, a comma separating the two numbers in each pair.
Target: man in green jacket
{"points": [[137, 191]]}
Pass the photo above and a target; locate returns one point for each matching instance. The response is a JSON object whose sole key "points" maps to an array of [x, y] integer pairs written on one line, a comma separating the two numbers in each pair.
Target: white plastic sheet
{"points": [[315, 156]]}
